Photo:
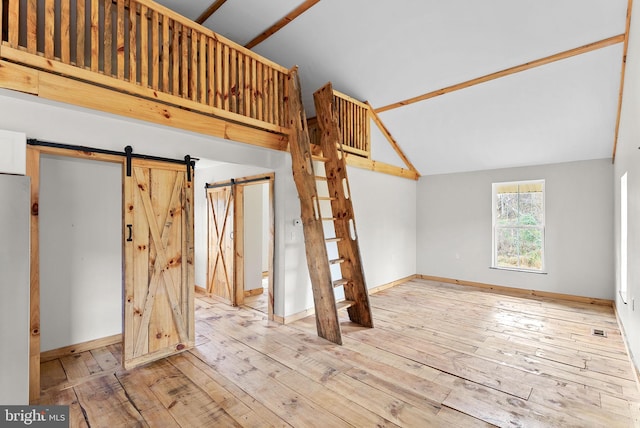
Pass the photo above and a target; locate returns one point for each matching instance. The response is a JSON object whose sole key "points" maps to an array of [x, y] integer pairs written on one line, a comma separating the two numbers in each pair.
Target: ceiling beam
{"points": [[210, 11], [391, 140], [517, 69], [281, 23], [622, 72]]}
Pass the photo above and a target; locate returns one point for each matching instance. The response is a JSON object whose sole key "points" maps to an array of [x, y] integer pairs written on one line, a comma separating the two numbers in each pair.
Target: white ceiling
{"points": [[384, 52]]}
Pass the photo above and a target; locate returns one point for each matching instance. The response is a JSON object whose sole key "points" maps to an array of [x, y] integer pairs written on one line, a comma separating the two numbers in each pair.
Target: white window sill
{"points": [[539, 272]]}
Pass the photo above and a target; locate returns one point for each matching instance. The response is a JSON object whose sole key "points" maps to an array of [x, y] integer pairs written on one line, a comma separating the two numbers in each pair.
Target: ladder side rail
{"points": [[344, 223], [327, 321]]}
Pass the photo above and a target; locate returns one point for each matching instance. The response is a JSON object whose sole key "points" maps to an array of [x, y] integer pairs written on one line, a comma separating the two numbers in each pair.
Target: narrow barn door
{"points": [[159, 270], [221, 271]]}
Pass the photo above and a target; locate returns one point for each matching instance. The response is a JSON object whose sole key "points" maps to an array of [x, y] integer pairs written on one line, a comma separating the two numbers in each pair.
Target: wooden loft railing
{"points": [[354, 124], [144, 49]]}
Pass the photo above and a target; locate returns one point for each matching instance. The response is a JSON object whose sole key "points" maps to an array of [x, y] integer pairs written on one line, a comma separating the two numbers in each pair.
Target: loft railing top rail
{"points": [[186, 22], [204, 30], [351, 99]]}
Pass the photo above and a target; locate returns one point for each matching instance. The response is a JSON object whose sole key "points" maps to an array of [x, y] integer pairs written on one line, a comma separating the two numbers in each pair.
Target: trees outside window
{"points": [[518, 225]]}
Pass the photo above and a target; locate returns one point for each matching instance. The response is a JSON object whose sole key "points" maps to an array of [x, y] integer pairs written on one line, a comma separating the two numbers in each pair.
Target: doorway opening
{"points": [[241, 241], [97, 282], [80, 208]]}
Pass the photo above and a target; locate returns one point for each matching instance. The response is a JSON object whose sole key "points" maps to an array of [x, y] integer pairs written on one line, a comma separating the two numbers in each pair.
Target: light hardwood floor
{"points": [[439, 355]]}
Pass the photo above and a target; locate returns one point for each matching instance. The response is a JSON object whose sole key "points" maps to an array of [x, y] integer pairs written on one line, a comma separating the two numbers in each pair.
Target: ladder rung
{"points": [[329, 218], [337, 261], [326, 198], [333, 239], [320, 178], [344, 304], [339, 282], [319, 158]]}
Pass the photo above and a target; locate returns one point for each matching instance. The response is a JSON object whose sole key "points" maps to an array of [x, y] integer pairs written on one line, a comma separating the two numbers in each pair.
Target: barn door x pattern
{"points": [[159, 276], [221, 281]]}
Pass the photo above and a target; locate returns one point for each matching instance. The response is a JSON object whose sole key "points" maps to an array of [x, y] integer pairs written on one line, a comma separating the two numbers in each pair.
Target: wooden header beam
{"points": [[392, 141], [622, 74], [517, 69], [210, 11], [281, 23]]}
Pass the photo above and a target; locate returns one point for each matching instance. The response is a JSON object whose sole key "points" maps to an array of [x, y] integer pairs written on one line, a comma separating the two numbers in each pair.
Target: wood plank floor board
{"points": [[81, 365], [146, 402], [104, 402], [426, 388], [501, 409], [492, 317], [414, 395], [218, 393], [383, 404], [343, 407], [534, 306], [66, 397], [440, 355], [449, 417], [476, 326], [484, 372], [588, 413], [283, 401], [557, 371], [306, 365], [188, 404], [105, 359], [51, 374], [463, 343], [530, 348], [266, 416], [379, 356]]}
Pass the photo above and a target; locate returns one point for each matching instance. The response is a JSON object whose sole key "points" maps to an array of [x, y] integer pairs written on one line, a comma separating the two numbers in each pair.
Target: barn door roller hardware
{"points": [[233, 181], [189, 161], [128, 153], [191, 164]]}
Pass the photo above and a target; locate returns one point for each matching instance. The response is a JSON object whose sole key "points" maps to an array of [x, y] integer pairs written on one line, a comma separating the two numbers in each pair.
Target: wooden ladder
{"points": [[343, 243]]}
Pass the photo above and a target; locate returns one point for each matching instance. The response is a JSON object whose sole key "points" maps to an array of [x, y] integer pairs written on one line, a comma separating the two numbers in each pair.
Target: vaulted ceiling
{"points": [[386, 52]]}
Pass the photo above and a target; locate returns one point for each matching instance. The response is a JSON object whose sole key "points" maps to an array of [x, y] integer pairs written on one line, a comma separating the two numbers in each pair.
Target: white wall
{"points": [[13, 152], [253, 236], [14, 289], [628, 160], [385, 213], [80, 212], [454, 238]]}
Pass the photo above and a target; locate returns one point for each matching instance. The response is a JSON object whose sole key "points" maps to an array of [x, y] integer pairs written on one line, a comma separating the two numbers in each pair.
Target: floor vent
{"points": [[598, 332]]}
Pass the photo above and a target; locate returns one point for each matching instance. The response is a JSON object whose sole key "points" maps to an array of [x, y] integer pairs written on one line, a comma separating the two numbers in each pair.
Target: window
{"points": [[623, 237], [518, 225]]}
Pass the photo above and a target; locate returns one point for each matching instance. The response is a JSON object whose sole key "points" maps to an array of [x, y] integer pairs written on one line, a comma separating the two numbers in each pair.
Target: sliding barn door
{"points": [[159, 270], [221, 270]]}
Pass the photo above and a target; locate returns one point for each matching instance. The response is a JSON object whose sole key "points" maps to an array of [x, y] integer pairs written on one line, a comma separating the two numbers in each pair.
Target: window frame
{"points": [[496, 228]]}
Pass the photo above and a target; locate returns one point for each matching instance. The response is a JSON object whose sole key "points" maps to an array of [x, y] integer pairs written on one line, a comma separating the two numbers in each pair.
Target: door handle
{"points": [[130, 227]]}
